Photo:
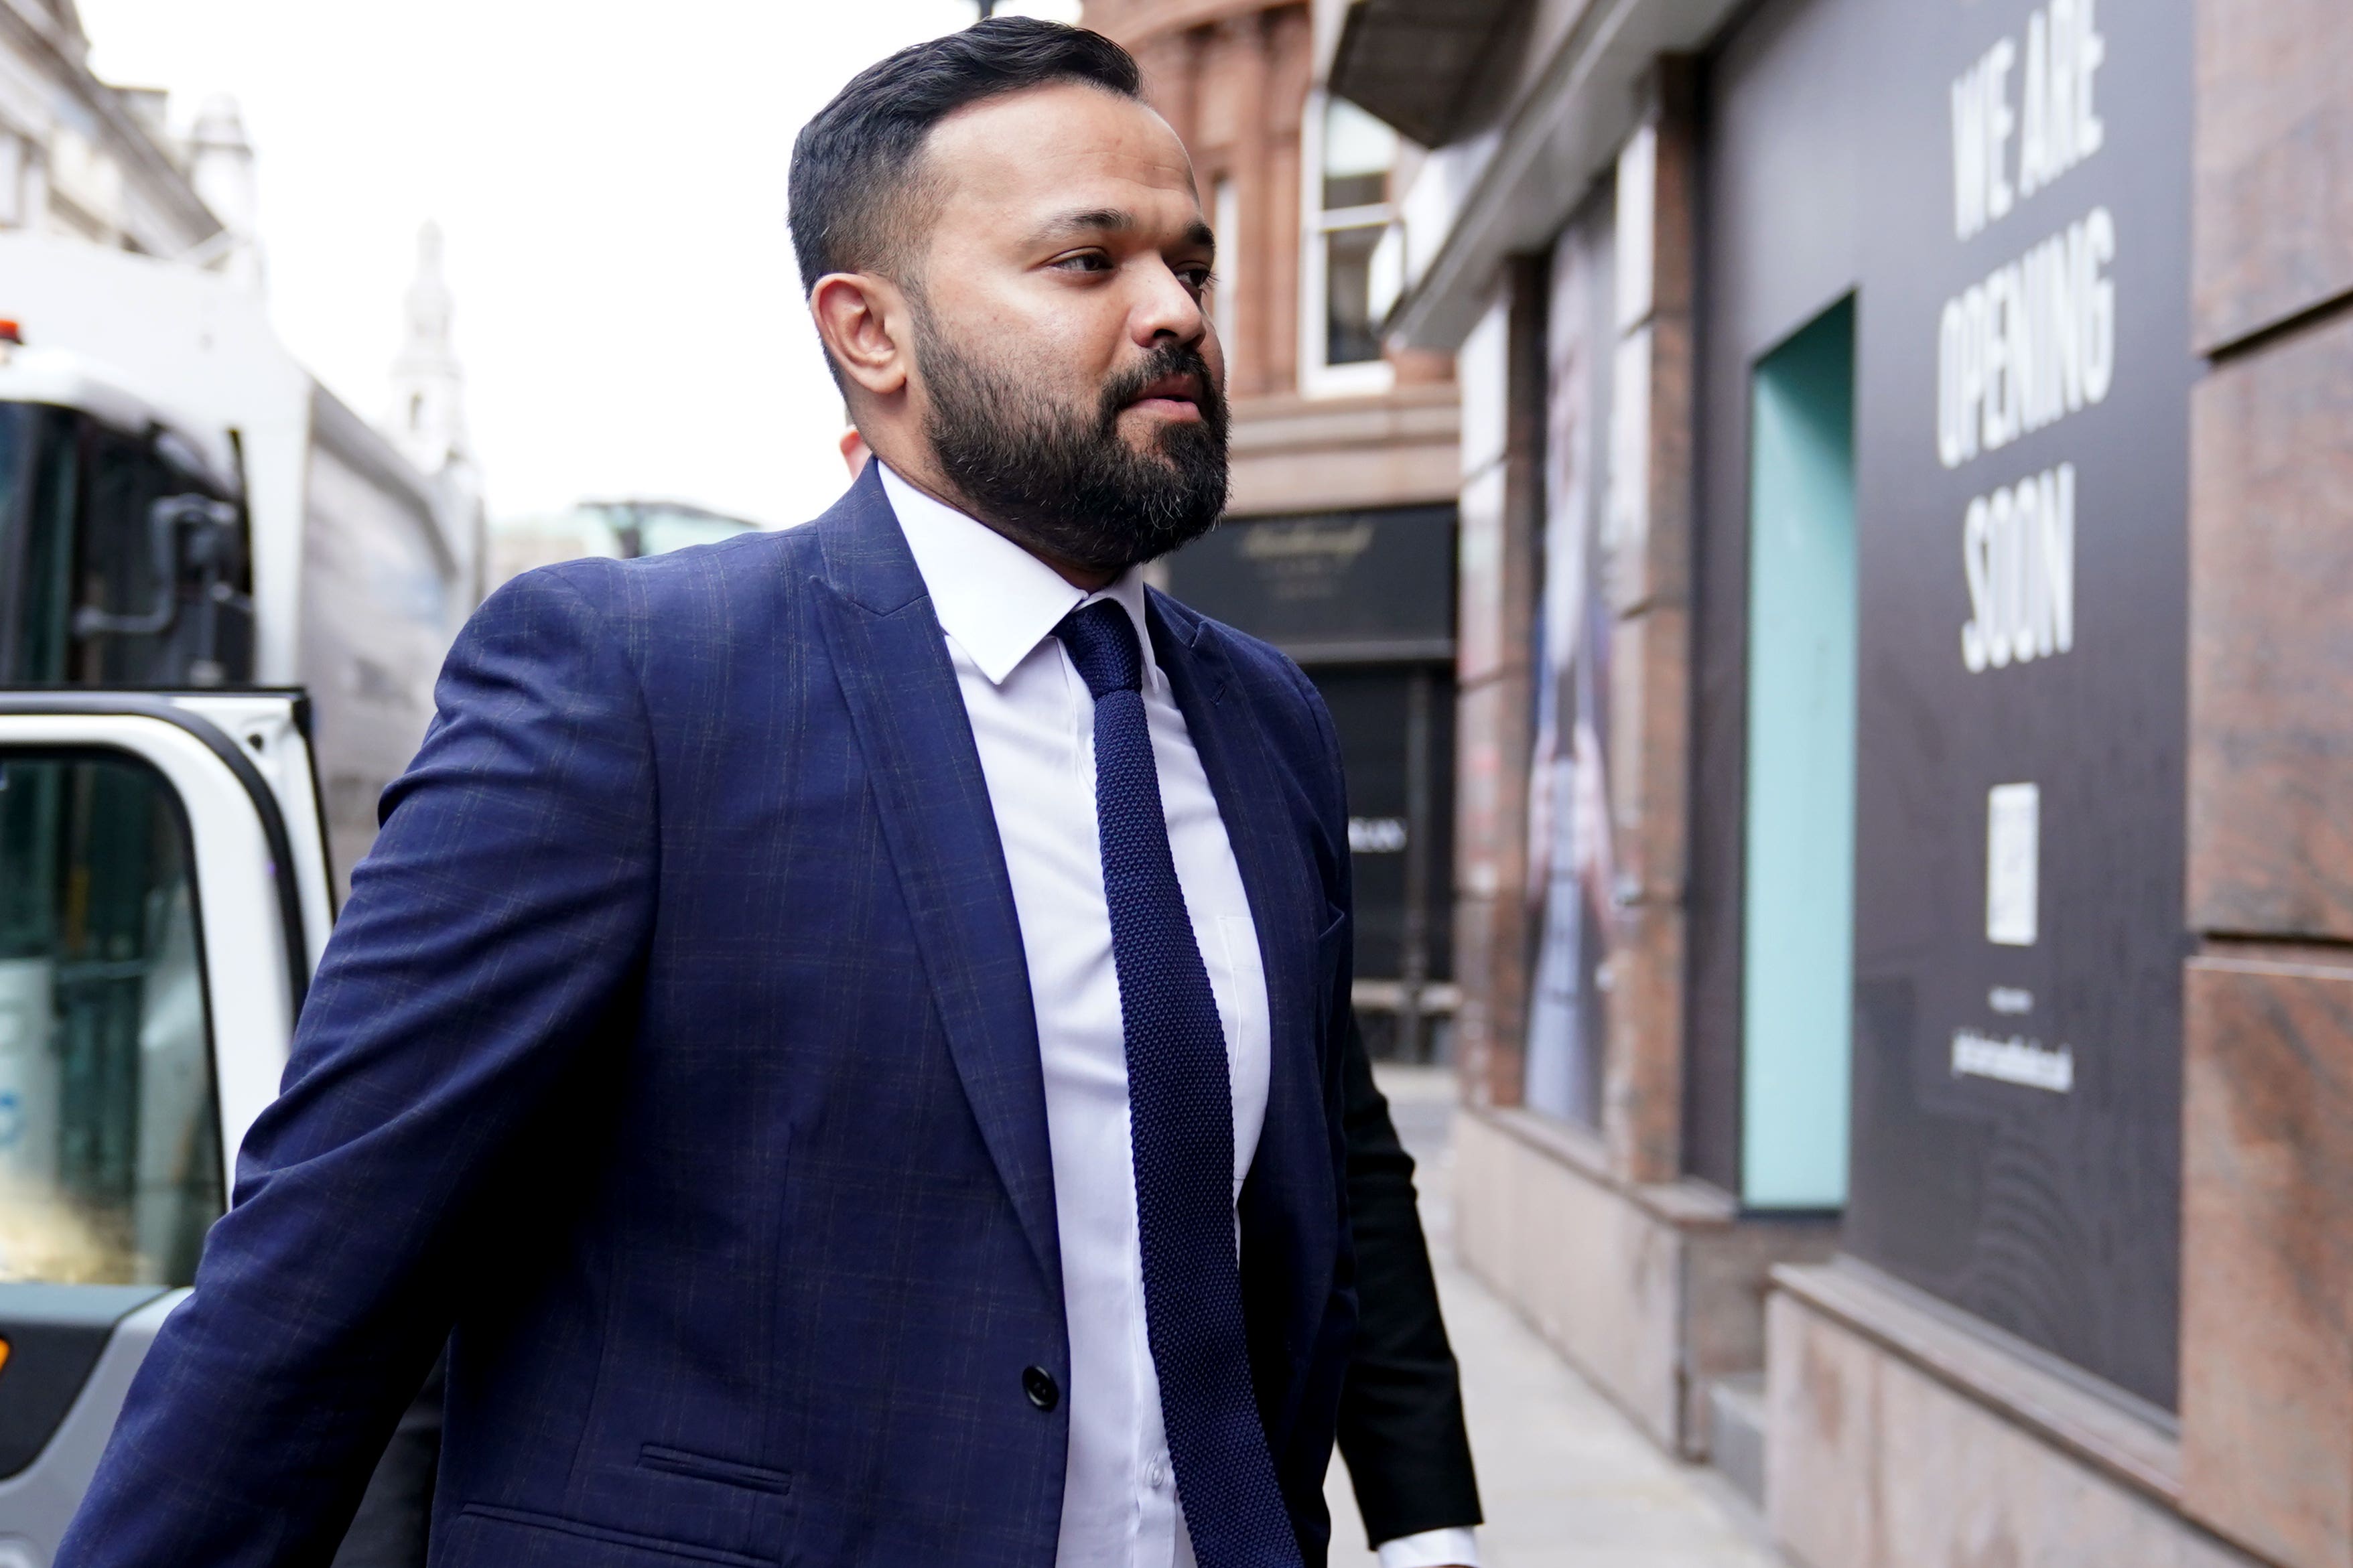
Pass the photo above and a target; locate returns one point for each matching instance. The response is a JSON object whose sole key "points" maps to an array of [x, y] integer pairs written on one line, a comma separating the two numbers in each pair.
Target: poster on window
{"points": [[2023, 380], [1570, 872]]}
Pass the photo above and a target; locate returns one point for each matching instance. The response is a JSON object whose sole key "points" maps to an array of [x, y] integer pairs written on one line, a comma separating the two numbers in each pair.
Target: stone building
{"points": [[1904, 899], [1339, 545], [82, 157]]}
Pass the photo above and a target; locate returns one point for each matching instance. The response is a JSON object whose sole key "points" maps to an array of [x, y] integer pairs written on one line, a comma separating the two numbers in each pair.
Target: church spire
{"points": [[427, 418]]}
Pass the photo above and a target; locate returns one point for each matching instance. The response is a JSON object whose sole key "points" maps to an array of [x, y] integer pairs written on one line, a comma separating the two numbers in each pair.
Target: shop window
{"points": [[1349, 209], [1798, 959], [110, 1151]]}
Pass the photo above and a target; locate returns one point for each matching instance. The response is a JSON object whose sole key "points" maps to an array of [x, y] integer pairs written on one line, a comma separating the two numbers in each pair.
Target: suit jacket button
{"points": [[1039, 1385]]}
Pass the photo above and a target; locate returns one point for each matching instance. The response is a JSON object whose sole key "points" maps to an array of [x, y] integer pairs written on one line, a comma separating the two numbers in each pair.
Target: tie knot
{"points": [[1100, 640]]}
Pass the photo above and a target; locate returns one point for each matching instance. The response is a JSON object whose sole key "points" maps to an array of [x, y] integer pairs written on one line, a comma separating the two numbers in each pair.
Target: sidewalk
{"points": [[1567, 1481]]}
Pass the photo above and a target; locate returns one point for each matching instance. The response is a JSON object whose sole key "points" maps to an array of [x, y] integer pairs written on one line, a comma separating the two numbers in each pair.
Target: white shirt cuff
{"points": [[1432, 1549]]}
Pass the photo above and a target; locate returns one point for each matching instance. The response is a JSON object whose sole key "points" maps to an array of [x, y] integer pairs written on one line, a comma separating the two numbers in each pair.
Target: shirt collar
{"points": [[996, 599]]}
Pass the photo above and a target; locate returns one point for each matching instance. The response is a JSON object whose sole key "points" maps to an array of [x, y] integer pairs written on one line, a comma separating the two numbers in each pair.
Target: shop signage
{"points": [[2023, 373], [1349, 586]]}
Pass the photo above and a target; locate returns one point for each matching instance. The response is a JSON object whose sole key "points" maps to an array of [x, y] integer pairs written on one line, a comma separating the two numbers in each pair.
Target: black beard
{"points": [[1061, 483]]}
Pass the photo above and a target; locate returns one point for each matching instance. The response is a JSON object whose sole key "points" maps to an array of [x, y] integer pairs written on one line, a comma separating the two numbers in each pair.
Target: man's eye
{"points": [[1084, 261], [1199, 279]]}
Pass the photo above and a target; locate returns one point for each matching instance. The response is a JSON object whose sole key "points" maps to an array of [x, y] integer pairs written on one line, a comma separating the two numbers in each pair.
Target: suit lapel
{"points": [[895, 671], [1289, 1206]]}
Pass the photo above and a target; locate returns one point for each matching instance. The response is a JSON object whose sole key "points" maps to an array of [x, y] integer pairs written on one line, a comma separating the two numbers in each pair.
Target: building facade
{"points": [[1905, 1022], [1340, 543], [85, 158]]}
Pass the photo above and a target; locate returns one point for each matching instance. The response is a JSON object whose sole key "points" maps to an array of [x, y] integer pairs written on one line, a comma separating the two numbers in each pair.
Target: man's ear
{"points": [[862, 317]]}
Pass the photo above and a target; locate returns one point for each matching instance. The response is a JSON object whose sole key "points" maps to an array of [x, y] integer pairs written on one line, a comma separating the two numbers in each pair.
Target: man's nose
{"points": [[1167, 310]]}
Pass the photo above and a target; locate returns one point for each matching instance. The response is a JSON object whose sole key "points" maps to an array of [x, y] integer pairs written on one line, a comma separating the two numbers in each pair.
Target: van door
{"points": [[164, 897]]}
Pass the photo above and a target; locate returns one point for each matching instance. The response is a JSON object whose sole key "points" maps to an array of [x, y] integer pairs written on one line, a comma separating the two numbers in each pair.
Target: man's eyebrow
{"points": [[1096, 220], [1113, 220]]}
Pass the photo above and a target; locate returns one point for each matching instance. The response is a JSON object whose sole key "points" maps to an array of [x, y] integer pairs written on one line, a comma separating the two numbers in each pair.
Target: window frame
{"points": [[1318, 377], [108, 755], [243, 875], [1225, 301]]}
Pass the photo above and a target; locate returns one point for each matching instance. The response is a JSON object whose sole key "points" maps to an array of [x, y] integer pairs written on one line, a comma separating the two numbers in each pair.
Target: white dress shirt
{"points": [[1033, 722]]}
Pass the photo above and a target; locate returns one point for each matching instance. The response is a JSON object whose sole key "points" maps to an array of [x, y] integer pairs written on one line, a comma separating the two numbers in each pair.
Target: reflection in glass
{"points": [[1348, 213], [1350, 334], [78, 519], [110, 1153], [1358, 154], [38, 482]]}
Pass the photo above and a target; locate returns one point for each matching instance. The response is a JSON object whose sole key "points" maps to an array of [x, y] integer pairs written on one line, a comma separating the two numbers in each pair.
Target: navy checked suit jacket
{"points": [[675, 1061]]}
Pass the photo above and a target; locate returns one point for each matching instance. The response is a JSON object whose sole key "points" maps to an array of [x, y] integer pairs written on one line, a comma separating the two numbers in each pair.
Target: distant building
{"points": [[85, 158], [1339, 545], [616, 529]]}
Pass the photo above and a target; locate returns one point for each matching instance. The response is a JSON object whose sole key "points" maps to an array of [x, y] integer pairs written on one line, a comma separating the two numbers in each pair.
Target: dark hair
{"points": [[849, 194]]}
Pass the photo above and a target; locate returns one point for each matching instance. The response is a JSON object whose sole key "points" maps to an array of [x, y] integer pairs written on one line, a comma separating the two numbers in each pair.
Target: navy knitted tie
{"points": [[1181, 1119]]}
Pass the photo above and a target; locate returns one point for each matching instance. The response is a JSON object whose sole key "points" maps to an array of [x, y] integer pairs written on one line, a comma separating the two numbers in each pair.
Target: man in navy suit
{"points": [[842, 1031]]}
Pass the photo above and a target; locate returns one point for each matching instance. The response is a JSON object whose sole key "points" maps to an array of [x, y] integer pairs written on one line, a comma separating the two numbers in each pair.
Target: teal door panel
{"points": [[1798, 958]]}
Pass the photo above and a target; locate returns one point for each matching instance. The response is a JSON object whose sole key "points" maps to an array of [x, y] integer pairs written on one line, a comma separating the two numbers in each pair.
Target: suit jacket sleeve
{"points": [[1401, 1427], [457, 1021]]}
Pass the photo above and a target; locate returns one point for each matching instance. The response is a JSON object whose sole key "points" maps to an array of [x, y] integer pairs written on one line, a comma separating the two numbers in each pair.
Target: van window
{"points": [[39, 496], [211, 641], [110, 1144]]}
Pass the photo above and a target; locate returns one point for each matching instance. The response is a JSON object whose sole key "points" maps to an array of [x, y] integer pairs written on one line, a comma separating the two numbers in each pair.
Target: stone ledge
{"points": [[1426, 410], [1293, 454], [2124, 1438], [1653, 1291], [1686, 1205], [1875, 1458], [1595, 1273]]}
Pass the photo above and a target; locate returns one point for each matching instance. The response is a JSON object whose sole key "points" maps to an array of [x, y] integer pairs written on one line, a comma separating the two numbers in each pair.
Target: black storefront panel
{"points": [[1365, 602], [1345, 586], [1372, 708], [2022, 372]]}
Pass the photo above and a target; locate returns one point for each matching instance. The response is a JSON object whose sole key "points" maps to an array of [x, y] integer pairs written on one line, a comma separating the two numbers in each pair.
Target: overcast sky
{"points": [[610, 180]]}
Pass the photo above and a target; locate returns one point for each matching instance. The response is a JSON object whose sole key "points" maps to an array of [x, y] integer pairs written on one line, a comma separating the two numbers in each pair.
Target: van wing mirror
{"points": [[192, 540]]}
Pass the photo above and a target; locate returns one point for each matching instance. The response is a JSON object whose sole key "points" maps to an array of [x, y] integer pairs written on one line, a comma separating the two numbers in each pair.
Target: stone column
{"points": [[1502, 372], [1291, 67], [2267, 1159], [1647, 555]]}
